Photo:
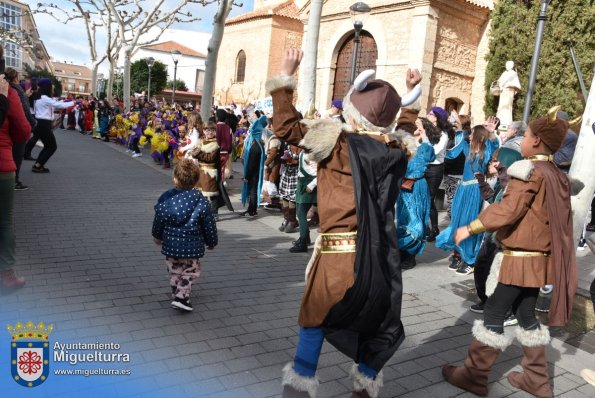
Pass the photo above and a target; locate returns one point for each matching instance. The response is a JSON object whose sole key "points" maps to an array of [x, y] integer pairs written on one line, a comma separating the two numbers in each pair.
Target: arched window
{"points": [[240, 67]]}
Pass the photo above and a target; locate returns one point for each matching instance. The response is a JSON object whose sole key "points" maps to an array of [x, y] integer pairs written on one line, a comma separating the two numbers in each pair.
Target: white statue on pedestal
{"points": [[509, 85]]}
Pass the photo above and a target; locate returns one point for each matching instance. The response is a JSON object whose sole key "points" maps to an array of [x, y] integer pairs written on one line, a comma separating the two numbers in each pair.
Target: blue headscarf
{"points": [[254, 135]]}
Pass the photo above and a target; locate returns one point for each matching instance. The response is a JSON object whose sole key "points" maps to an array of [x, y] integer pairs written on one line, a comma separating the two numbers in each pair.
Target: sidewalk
{"points": [[84, 244]]}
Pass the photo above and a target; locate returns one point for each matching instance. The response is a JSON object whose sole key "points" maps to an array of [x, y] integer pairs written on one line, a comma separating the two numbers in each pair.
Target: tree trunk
{"points": [[93, 79], [211, 63], [583, 164], [126, 78], [307, 81], [110, 83]]}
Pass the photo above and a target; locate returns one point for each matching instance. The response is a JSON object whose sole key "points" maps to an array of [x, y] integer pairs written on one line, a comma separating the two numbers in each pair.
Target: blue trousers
{"points": [[308, 352]]}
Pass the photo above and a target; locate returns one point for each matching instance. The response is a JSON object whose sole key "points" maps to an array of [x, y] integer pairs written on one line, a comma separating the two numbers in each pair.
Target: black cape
{"points": [[366, 324]]}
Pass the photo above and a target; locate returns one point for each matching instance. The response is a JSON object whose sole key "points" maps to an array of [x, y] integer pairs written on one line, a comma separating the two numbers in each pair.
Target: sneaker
{"points": [[582, 244], [19, 186], [455, 262], [477, 308], [464, 269], [511, 321], [183, 304], [39, 169], [129, 151], [137, 155]]}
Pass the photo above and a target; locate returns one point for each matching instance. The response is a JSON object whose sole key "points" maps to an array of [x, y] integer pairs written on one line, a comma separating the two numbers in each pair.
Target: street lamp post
{"points": [[175, 55], [533, 74], [359, 12], [150, 61]]}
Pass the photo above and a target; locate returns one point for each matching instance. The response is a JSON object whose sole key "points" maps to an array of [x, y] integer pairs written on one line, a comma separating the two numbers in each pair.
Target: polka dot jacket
{"points": [[185, 223]]}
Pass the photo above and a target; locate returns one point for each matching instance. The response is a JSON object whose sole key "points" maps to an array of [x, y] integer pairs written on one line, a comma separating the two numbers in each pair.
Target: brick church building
{"points": [[446, 39]]}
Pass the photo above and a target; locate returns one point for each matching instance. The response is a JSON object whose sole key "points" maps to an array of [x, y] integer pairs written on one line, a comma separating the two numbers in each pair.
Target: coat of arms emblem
{"points": [[30, 353]]}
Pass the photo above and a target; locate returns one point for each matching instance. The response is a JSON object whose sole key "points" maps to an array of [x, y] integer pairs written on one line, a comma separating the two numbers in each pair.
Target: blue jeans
{"points": [[308, 352]]}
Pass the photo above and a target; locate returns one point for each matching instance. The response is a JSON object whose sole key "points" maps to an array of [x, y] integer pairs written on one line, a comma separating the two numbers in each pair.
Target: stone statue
{"points": [[509, 84]]}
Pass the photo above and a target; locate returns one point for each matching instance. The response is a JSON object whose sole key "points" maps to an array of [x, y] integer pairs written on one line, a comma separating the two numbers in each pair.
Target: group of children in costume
{"points": [[374, 205], [353, 279]]}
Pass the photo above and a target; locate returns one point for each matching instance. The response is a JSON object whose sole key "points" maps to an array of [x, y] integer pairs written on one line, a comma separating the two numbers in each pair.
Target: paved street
{"points": [[84, 244]]}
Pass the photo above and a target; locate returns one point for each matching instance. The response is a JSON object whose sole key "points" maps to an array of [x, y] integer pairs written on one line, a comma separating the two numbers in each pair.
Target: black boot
{"points": [[300, 246]]}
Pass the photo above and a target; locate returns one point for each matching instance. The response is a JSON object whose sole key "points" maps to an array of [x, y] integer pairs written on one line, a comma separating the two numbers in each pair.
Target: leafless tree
{"points": [[126, 23], [213, 51]]}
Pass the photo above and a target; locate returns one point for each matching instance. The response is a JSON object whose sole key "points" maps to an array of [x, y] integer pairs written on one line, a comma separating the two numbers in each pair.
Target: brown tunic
{"points": [[332, 274], [535, 215], [207, 155], [273, 162]]}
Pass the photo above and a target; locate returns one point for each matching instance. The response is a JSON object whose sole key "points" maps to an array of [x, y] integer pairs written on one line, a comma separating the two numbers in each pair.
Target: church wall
{"points": [[254, 37], [460, 31], [383, 24], [286, 33]]}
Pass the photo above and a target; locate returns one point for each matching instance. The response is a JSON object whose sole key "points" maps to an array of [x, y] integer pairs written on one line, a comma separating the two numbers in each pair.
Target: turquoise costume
{"points": [[253, 138], [467, 202], [413, 206]]}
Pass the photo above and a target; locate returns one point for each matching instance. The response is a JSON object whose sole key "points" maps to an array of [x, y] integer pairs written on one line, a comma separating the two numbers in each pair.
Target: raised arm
{"points": [[286, 120]]}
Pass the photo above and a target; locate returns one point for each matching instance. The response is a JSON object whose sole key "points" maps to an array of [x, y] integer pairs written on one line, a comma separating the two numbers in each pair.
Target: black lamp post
{"points": [[359, 12], [533, 74], [175, 55], [150, 61]]}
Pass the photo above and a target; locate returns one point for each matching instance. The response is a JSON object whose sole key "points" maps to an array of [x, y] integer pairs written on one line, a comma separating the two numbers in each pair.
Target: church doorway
{"points": [[368, 54], [453, 103]]}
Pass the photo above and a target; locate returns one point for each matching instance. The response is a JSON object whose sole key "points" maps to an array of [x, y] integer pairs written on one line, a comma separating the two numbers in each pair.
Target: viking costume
{"points": [[353, 290], [272, 170], [287, 187], [534, 228], [206, 152]]}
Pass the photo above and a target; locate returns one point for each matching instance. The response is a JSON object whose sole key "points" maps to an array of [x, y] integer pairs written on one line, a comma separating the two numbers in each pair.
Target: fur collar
{"points": [[321, 138], [280, 82], [323, 134], [521, 170], [209, 146]]}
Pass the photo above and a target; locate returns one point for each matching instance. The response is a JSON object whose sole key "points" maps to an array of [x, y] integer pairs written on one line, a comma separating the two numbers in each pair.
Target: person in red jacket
{"points": [[14, 128]]}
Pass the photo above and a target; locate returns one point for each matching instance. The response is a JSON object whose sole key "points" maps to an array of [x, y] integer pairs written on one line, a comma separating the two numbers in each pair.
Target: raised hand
{"points": [[491, 124], [412, 78], [291, 61]]}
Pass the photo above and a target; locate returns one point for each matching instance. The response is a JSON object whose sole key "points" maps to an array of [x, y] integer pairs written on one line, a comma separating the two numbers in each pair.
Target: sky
{"points": [[69, 42]]}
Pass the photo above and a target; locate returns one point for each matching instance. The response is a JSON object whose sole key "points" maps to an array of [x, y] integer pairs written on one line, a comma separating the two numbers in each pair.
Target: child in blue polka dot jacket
{"points": [[183, 225]]}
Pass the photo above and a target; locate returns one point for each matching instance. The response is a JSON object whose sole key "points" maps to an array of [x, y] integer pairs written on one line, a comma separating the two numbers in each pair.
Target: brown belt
{"points": [[338, 242]]}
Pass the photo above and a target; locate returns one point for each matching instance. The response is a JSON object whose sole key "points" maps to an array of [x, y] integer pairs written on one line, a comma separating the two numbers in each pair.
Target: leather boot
{"points": [[483, 352], [284, 223], [10, 280], [297, 386], [364, 386], [292, 223], [534, 379], [300, 246]]}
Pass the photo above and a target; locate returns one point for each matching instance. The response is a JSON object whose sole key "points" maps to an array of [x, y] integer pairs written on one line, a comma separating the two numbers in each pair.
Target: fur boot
{"points": [[364, 386], [483, 352], [534, 379], [296, 386]]}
